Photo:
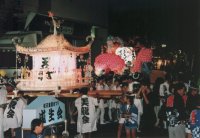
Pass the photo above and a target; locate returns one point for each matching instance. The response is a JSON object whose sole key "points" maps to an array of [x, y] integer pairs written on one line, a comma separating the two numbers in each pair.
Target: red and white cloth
{"points": [[144, 55]]}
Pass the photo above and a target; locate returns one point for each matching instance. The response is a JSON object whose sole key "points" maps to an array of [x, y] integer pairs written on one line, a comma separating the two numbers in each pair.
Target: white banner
{"points": [[49, 109]]}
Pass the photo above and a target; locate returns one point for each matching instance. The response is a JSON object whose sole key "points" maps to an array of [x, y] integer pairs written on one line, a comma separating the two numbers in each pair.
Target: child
{"points": [[130, 113], [124, 90]]}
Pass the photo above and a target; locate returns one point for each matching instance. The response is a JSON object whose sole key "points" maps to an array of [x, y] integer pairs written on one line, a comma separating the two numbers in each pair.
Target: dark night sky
{"points": [[173, 22]]}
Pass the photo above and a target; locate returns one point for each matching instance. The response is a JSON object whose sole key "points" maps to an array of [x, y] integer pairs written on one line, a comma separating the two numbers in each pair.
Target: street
{"points": [[110, 131]]}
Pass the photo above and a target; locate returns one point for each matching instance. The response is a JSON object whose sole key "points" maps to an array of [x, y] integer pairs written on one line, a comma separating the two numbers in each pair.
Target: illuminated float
{"points": [[116, 57], [54, 65]]}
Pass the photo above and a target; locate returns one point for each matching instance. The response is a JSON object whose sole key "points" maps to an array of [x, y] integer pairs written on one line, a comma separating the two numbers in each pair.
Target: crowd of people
{"points": [[11, 109], [169, 103]]}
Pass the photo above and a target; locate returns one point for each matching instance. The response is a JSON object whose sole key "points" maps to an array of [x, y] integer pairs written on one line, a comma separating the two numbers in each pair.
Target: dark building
{"points": [[174, 23]]}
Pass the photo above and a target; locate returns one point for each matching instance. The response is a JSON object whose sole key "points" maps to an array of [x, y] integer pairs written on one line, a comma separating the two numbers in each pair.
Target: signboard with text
{"points": [[49, 109]]}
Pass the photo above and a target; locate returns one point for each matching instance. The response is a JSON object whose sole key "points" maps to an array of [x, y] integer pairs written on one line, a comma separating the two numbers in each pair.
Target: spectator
{"points": [[192, 98], [130, 112], [148, 118], [36, 128], [195, 121], [157, 102], [176, 112], [164, 92], [137, 102]]}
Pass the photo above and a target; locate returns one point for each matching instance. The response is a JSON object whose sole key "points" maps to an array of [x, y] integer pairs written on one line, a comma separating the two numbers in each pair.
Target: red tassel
{"points": [[50, 14]]}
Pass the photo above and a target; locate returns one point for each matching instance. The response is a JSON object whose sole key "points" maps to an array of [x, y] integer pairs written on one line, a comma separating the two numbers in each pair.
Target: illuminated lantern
{"points": [[126, 53], [54, 64]]}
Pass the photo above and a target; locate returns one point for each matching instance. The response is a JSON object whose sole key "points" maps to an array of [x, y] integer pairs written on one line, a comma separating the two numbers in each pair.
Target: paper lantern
{"points": [[109, 61]]}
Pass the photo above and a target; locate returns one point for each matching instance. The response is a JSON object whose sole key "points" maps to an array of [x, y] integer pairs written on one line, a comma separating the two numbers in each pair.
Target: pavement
{"points": [[109, 130]]}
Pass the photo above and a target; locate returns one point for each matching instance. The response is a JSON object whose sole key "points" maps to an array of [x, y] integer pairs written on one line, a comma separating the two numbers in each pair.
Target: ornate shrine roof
{"points": [[54, 43]]}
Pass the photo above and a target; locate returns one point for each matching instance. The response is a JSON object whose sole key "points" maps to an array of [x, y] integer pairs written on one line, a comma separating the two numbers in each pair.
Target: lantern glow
{"points": [[54, 64]]}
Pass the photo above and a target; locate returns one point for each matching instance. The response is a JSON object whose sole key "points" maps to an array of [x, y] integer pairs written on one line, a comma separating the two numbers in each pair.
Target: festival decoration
{"points": [[50, 14], [109, 62], [54, 64], [127, 54], [113, 43], [49, 109], [144, 55], [56, 24]]}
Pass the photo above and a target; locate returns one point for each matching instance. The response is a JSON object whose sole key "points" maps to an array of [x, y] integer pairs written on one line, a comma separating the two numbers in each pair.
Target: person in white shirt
{"points": [[164, 87], [130, 83], [111, 102], [112, 107], [116, 85], [100, 84], [102, 104], [87, 118], [13, 114], [137, 101], [109, 85], [3, 98], [7, 86], [164, 92]]}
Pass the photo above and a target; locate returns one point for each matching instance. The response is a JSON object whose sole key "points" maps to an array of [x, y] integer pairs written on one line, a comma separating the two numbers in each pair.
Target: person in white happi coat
{"points": [[112, 105], [3, 99], [86, 107], [13, 114], [102, 103]]}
